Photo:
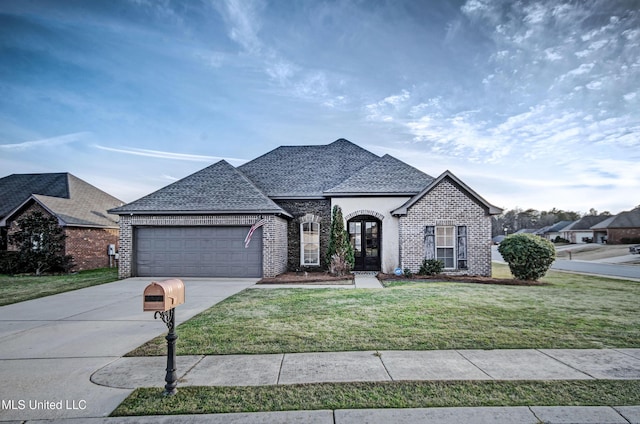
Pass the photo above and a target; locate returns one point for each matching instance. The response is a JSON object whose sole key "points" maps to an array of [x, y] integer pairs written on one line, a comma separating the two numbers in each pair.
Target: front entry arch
{"points": [[365, 235]]}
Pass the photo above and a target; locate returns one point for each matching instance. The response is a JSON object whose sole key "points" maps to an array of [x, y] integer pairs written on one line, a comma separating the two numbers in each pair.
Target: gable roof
{"points": [[585, 223], [627, 219], [448, 175], [554, 228], [15, 189], [202, 192], [306, 171], [73, 201], [386, 175]]}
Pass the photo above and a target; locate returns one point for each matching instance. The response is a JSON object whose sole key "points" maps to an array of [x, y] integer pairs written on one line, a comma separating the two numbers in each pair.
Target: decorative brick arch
{"points": [[310, 218], [360, 212]]}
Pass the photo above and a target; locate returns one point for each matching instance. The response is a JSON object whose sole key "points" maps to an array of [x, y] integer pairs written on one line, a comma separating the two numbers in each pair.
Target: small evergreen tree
{"points": [[340, 255], [529, 256], [40, 243]]}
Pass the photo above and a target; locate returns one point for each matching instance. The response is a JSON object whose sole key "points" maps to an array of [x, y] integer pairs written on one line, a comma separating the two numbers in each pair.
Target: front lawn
{"points": [[18, 288], [570, 311]]}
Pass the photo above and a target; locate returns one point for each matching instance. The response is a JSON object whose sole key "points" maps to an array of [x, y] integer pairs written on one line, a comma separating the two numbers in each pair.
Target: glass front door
{"points": [[364, 234]]}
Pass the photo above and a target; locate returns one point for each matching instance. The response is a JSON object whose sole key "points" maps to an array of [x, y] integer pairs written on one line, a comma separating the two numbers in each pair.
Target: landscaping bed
{"points": [[387, 278], [308, 278], [326, 278]]}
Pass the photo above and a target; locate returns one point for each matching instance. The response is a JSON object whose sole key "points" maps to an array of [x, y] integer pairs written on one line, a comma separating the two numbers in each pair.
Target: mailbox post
{"points": [[162, 297]]}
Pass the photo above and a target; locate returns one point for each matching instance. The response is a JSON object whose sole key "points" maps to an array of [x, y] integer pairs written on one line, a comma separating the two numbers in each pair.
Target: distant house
{"points": [[80, 208], [273, 214], [622, 228], [580, 231], [552, 231]]}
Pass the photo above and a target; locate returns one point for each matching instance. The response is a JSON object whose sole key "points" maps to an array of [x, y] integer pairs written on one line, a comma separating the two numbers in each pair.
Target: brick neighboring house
{"points": [[81, 210], [396, 216], [619, 229], [580, 231]]}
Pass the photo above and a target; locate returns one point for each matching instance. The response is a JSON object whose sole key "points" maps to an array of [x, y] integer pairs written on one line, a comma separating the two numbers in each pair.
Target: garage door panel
{"points": [[197, 252]]}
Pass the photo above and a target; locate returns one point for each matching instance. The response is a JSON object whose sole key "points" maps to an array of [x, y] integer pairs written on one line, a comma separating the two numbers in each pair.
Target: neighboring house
{"points": [[619, 229], [273, 214], [552, 231], [79, 207], [580, 231]]}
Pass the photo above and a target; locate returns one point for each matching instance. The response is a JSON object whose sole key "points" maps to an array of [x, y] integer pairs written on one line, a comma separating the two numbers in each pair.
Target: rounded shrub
{"points": [[431, 267], [529, 256]]}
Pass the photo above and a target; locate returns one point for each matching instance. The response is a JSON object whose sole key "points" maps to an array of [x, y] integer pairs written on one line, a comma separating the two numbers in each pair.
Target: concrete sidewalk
{"points": [[305, 368], [301, 368], [481, 415]]}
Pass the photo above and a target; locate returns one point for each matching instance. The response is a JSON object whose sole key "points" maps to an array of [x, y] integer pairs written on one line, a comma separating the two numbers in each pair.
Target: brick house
{"points": [[79, 207], [273, 214], [622, 228]]}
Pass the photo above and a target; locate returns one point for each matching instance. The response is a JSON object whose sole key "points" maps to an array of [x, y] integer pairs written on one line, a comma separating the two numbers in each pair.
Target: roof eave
{"points": [[371, 194], [3, 221], [205, 212]]}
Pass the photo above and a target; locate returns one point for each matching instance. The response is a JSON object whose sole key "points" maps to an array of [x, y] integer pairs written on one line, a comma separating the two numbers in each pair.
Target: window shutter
{"points": [[430, 242], [462, 247]]}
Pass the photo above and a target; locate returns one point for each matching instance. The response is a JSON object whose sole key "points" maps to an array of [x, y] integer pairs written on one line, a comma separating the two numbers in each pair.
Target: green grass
{"points": [[14, 289], [571, 311], [411, 394]]}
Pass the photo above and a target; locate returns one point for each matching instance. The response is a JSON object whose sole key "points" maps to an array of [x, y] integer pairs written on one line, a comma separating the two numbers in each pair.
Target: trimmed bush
{"points": [[431, 267], [340, 254], [529, 256]]}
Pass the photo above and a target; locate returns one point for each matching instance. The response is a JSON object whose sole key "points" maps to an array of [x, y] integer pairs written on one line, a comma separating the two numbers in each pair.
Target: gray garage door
{"points": [[197, 252]]}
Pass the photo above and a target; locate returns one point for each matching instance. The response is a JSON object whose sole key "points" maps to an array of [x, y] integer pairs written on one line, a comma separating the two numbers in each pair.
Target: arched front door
{"points": [[364, 235]]}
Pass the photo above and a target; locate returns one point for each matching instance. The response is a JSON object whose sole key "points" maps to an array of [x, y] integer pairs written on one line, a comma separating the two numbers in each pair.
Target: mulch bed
{"points": [[307, 278], [461, 279], [326, 278]]}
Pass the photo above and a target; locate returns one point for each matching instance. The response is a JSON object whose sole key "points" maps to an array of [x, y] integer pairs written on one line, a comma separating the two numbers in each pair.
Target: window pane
{"points": [[310, 243], [355, 235], [445, 246], [446, 256]]}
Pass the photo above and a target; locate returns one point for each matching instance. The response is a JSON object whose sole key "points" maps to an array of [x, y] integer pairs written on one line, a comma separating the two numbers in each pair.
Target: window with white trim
{"points": [[445, 246], [310, 243], [447, 243]]}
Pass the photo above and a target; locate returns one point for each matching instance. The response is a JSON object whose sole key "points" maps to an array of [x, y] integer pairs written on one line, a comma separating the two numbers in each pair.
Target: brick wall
{"points": [[447, 204], [320, 208], [88, 246], [615, 235], [274, 236]]}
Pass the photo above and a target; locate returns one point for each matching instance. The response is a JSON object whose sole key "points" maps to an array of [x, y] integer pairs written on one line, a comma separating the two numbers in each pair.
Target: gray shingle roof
{"points": [[219, 188], [306, 171], [628, 219], [72, 200], [15, 189], [288, 172], [586, 222], [384, 176]]}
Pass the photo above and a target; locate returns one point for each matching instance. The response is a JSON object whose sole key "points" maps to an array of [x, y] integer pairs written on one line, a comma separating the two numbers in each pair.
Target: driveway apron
{"points": [[50, 347]]}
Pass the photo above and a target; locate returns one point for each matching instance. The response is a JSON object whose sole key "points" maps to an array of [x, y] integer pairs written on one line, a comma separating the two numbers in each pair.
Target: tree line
{"points": [[513, 220]]}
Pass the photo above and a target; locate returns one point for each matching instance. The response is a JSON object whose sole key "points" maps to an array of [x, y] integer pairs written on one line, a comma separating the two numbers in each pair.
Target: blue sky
{"points": [[534, 104]]}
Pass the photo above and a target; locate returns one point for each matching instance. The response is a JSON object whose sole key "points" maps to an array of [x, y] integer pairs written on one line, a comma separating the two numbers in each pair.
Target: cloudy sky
{"points": [[534, 104]]}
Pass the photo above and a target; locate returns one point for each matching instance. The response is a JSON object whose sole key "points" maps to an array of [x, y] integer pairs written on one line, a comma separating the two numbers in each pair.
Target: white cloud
{"points": [[386, 110], [46, 142], [244, 23], [166, 155]]}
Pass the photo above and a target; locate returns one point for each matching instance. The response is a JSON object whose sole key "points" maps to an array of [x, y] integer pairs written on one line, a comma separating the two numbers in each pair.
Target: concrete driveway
{"points": [[50, 347]]}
